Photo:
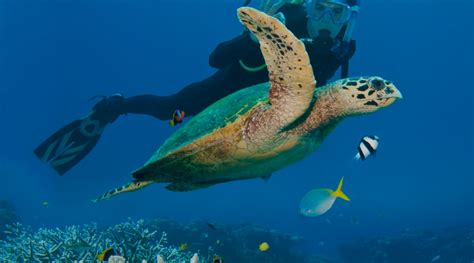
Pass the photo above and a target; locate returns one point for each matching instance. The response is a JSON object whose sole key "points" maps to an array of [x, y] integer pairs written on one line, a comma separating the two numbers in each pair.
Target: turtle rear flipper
{"points": [[130, 187], [292, 82]]}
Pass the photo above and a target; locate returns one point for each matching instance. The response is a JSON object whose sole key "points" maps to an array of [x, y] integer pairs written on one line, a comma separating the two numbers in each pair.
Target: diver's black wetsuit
{"points": [[231, 76]]}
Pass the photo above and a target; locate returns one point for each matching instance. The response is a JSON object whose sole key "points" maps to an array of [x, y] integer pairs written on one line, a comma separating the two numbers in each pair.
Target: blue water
{"points": [[55, 55]]}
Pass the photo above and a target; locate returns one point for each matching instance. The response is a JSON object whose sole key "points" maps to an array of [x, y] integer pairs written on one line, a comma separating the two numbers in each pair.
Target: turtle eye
{"points": [[388, 90], [377, 84]]}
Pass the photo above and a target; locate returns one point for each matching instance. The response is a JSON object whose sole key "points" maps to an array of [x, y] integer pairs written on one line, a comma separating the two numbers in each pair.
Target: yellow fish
{"points": [[106, 254], [264, 247], [318, 201], [183, 246]]}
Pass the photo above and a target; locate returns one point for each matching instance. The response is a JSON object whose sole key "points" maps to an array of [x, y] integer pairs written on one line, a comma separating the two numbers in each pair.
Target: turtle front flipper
{"points": [[130, 187], [292, 82]]}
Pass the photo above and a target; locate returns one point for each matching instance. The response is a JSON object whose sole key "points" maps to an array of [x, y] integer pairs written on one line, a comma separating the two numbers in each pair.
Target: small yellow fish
{"points": [[106, 254], [183, 246], [45, 204], [264, 247]]}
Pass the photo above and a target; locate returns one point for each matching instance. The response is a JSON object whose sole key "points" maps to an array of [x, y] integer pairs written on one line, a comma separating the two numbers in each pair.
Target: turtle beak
{"points": [[398, 94], [394, 93], [391, 92], [390, 95]]}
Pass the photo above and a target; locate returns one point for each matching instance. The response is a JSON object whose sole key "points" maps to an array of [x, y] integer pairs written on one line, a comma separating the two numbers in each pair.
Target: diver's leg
{"points": [[69, 145], [192, 99]]}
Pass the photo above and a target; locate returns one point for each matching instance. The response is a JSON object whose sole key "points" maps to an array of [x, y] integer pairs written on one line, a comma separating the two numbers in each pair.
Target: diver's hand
{"points": [[341, 51]]}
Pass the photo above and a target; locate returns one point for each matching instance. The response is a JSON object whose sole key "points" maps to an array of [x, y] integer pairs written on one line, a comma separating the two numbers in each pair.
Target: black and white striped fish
{"points": [[367, 146]]}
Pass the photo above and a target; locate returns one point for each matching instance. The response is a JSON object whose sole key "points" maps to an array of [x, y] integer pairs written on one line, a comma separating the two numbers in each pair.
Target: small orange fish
{"points": [[178, 117]]}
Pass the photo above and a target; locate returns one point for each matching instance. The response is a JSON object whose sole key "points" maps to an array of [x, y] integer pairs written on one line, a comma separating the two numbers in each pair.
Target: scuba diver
{"points": [[324, 26]]}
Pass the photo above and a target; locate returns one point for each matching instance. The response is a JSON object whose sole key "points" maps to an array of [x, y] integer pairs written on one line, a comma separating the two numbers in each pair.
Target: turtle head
{"points": [[367, 94]]}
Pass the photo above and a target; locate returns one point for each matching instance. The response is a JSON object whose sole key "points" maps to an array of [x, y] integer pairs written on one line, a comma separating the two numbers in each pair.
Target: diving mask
{"points": [[337, 12], [328, 15]]}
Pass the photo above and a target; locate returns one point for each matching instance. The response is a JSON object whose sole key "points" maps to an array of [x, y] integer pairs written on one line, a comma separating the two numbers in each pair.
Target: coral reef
{"points": [[235, 243], [454, 245], [152, 241], [159, 259], [7, 216], [133, 240]]}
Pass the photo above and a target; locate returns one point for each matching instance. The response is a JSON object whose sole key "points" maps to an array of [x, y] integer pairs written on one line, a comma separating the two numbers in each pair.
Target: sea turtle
{"points": [[263, 128]]}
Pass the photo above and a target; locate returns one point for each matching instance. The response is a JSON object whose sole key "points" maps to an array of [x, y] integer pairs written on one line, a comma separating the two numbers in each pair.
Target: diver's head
{"points": [[326, 18], [366, 94]]}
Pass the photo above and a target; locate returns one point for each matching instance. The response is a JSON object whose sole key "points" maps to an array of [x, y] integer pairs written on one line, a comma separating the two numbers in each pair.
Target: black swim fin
{"points": [[68, 146]]}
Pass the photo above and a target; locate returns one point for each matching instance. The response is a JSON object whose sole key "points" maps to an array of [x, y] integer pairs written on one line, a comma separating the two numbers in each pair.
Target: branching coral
{"points": [[137, 241], [7, 215], [133, 240]]}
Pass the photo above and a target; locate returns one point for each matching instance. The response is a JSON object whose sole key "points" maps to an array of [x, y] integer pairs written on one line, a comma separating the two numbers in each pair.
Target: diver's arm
{"points": [[327, 63], [345, 61], [348, 53], [232, 51]]}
